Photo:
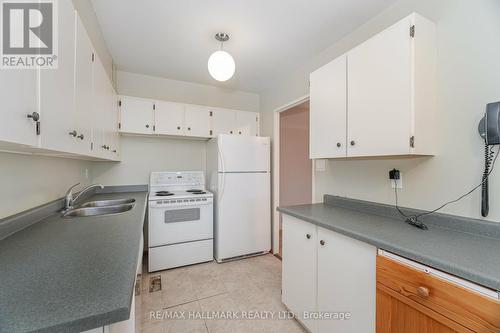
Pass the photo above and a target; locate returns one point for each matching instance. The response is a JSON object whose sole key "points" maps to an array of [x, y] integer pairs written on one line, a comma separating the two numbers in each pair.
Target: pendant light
{"points": [[221, 64]]}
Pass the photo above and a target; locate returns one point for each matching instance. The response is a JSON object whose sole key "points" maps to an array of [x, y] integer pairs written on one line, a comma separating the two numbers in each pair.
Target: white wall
{"points": [[141, 155], [468, 78], [28, 181]]}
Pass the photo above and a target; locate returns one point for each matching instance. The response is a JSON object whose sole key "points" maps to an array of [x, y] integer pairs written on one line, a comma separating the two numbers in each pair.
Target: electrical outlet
{"points": [[398, 182]]}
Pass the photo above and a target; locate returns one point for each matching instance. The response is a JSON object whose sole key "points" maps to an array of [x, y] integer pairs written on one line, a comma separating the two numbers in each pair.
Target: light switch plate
{"points": [[320, 165]]}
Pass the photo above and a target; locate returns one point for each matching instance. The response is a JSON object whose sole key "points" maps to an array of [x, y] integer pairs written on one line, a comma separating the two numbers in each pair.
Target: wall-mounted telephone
{"points": [[489, 129]]}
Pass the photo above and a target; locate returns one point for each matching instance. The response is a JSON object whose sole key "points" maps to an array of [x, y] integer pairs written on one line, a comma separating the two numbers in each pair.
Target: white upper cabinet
{"points": [[57, 89], [84, 92], [169, 118], [390, 96], [136, 115], [247, 123], [197, 121], [328, 110], [379, 93], [223, 121], [18, 93], [184, 120]]}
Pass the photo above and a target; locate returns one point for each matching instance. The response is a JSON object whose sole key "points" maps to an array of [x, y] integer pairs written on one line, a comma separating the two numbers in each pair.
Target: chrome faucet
{"points": [[70, 202]]}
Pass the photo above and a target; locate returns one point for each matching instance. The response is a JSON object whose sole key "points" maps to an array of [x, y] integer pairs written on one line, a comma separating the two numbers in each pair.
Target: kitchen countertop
{"points": [[450, 246], [71, 275]]}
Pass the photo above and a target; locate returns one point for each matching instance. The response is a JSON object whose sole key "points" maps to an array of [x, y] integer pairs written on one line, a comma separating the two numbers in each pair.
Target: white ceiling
{"points": [[174, 38]]}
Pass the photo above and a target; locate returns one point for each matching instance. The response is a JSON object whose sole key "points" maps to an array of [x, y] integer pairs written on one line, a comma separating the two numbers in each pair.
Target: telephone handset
{"points": [[489, 129]]}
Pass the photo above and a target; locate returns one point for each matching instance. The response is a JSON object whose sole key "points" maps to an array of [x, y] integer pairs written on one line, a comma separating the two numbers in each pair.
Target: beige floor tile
{"points": [[252, 284], [189, 323]]}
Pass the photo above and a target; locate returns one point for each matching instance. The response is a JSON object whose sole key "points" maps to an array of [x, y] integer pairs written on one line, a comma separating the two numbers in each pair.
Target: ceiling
{"points": [[174, 38]]}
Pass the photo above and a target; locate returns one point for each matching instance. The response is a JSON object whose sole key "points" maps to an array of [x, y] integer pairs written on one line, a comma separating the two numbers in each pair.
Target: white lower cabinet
{"points": [[299, 268], [328, 274]]}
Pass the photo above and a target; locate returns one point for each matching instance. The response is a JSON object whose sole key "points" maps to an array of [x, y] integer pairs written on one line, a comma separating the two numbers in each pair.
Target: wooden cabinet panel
{"points": [[136, 115], [328, 110], [299, 268], [448, 303], [394, 316], [169, 118]]}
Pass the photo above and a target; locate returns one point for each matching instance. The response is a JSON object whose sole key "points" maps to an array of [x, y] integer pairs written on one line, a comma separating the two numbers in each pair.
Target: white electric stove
{"points": [[180, 226]]}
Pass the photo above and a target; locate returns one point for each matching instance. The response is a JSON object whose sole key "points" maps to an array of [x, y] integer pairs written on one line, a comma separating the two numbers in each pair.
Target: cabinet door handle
{"points": [[339, 144], [81, 137], [114, 150], [230, 132], [239, 132], [308, 236], [322, 242], [353, 143], [147, 126], [35, 116], [423, 291], [73, 133], [189, 128], [178, 127]]}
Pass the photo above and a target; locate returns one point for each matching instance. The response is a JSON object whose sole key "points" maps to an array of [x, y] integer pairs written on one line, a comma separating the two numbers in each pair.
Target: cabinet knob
{"points": [[322, 242], [81, 137], [178, 127], [239, 132], [353, 143], [147, 126], [230, 132], [114, 151], [423, 291], [339, 144], [35, 116], [189, 128], [308, 236], [73, 133]]}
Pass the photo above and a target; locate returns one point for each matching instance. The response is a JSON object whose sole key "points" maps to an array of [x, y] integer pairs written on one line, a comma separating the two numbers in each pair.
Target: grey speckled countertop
{"points": [[466, 248], [71, 275]]}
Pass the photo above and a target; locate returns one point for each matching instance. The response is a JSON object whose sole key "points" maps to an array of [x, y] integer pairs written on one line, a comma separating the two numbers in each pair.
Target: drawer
{"points": [[472, 310], [170, 256]]}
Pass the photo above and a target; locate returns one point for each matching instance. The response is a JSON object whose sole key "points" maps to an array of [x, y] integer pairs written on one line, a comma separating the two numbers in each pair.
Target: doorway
{"points": [[295, 167]]}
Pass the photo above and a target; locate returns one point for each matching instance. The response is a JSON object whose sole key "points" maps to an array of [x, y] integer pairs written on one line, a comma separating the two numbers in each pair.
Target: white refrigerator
{"points": [[238, 173]]}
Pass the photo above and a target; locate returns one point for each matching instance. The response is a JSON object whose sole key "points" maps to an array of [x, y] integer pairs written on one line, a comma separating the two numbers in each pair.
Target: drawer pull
{"points": [[423, 292], [322, 242], [308, 236]]}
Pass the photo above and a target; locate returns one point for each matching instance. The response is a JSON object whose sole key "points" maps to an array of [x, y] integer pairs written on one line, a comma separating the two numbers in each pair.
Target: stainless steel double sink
{"points": [[100, 207]]}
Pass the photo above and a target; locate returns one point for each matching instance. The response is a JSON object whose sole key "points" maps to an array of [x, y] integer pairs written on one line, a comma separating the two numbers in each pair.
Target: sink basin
{"points": [[98, 211], [104, 203]]}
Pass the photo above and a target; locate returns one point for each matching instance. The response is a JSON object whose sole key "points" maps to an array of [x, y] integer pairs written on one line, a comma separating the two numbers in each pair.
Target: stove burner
{"points": [[164, 193], [194, 191]]}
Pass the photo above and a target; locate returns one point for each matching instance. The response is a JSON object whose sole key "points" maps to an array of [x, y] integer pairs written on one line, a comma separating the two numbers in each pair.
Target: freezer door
{"points": [[243, 153], [243, 217]]}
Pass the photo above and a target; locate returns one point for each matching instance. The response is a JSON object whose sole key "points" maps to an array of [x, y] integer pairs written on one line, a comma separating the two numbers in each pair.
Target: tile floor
{"points": [[251, 286]]}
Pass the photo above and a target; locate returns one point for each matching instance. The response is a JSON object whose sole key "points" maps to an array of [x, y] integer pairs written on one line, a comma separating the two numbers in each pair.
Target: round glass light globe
{"points": [[221, 65]]}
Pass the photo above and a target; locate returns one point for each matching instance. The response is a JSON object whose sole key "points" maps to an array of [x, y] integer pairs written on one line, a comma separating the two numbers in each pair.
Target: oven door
{"points": [[179, 224]]}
